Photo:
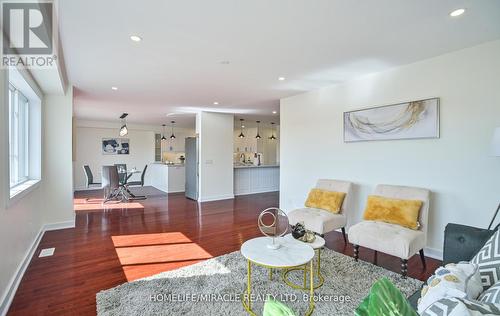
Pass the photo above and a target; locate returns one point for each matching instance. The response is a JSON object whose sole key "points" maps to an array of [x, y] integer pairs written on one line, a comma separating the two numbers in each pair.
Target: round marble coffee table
{"points": [[317, 245], [291, 254]]}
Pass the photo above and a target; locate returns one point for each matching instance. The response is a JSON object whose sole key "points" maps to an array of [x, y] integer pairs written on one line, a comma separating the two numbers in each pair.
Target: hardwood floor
{"points": [[126, 241]]}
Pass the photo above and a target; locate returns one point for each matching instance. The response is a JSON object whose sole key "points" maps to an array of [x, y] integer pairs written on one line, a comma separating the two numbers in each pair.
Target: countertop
{"points": [[252, 166], [168, 165]]}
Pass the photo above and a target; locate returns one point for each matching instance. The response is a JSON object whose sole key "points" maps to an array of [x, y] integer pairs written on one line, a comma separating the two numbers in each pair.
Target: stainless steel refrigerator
{"points": [[191, 166]]}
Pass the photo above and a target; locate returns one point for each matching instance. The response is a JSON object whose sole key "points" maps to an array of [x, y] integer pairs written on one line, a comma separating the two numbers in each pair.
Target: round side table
{"points": [[316, 245], [291, 254]]}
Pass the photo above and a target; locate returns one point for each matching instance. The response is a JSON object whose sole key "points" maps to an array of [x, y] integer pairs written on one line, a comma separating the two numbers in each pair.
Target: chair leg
{"points": [[404, 267], [422, 258], [356, 252], [343, 233], [375, 257]]}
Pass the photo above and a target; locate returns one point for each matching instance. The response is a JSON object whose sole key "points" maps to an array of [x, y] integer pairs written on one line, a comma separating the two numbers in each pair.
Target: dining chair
{"points": [[89, 177], [141, 182]]}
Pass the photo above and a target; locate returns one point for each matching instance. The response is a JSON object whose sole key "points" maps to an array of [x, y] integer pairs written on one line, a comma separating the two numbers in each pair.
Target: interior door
{"points": [[191, 168]]}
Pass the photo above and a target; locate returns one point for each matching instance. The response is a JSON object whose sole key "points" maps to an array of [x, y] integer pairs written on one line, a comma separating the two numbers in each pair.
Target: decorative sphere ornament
{"points": [[273, 222]]}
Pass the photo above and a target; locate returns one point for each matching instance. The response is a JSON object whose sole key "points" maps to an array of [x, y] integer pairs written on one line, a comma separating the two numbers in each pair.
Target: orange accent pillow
{"points": [[394, 211], [326, 200]]}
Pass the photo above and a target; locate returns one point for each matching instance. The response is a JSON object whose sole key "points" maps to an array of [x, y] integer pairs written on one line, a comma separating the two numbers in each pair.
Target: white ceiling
{"points": [[177, 67]]}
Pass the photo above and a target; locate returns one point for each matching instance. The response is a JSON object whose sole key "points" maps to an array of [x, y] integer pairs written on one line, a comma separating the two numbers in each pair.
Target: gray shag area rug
{"points": [[215, 287]]}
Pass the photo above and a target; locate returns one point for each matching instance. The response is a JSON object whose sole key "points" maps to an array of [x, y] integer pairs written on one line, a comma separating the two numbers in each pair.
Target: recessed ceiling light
{"points": [[457, 12], [216, 103], [114, 88], [136, 38], [274, 112], [242, 126], [281, 78]]}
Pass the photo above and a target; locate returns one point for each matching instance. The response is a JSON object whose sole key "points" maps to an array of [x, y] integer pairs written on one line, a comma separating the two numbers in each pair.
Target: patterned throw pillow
{"points": [[491, 295], [488, 259], [460, 307], [460, 280]]}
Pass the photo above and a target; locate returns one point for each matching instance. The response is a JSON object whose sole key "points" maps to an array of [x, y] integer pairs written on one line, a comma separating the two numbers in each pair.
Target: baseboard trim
{"points": [[216, 198], [18, 276], [256, 192], [433, 253], [60, 225]]}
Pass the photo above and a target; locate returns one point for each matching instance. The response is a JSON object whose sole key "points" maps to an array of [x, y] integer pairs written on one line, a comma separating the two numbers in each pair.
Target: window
{"points": [[24, 118], [18, 137]]}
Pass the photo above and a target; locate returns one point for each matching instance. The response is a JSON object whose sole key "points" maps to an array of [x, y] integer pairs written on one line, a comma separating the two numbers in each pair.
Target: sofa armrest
{"points": [[462, 242]]}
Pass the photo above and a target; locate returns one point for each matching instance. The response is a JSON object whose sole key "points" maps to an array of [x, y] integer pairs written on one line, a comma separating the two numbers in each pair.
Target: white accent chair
{"points": [[394, 239], [322, 221]]}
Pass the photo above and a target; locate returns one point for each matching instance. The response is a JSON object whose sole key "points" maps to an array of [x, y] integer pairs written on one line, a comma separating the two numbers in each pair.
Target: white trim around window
{"points": [[24, 139]]}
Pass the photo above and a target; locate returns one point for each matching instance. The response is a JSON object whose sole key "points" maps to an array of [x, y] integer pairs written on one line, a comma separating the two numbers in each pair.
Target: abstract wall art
{"points": [[410, 120], [115, 146]]}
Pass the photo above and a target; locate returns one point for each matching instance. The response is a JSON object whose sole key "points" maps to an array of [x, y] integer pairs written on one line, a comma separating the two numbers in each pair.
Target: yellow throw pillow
{"points": [[326, 200], [394, 211]]}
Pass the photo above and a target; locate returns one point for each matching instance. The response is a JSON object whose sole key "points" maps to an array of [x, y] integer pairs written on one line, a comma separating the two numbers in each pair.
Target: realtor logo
{"points": [[28, 30]]}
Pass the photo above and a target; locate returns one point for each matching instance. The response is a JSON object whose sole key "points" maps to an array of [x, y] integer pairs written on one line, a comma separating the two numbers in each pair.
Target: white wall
{"points": [[88, 150], [458, 167], [22, 223], [216, 156], [57, 157]]}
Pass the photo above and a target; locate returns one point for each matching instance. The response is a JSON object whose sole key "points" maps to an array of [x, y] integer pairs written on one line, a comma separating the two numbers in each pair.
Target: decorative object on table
{"points": [[385, 299], [182, 159], [123, 128], [299, 232], [115, 146], [322, 221], [409, 120], [395, 240], [308, 237], [228, 274], [273, 222]]}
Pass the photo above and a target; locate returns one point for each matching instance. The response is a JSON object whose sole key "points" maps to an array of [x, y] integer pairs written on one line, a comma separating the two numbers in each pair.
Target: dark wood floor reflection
{"points": [[127, 241]]}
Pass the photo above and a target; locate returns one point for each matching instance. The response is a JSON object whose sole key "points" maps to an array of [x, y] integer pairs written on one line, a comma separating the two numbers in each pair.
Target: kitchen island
{"points": [[167, 178], [250, 179]]}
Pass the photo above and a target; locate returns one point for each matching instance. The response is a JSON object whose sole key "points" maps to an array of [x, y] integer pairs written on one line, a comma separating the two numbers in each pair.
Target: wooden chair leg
{"points": [[404, 268], [375, 258], [356, 252], [422, 258], [343, 233]]}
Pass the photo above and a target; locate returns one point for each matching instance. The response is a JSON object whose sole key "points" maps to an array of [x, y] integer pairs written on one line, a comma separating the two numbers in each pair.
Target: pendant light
{"points": [[172, 136], [241, 129], [163, 132], [258, 130], [272, 129], [123, 129]]}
